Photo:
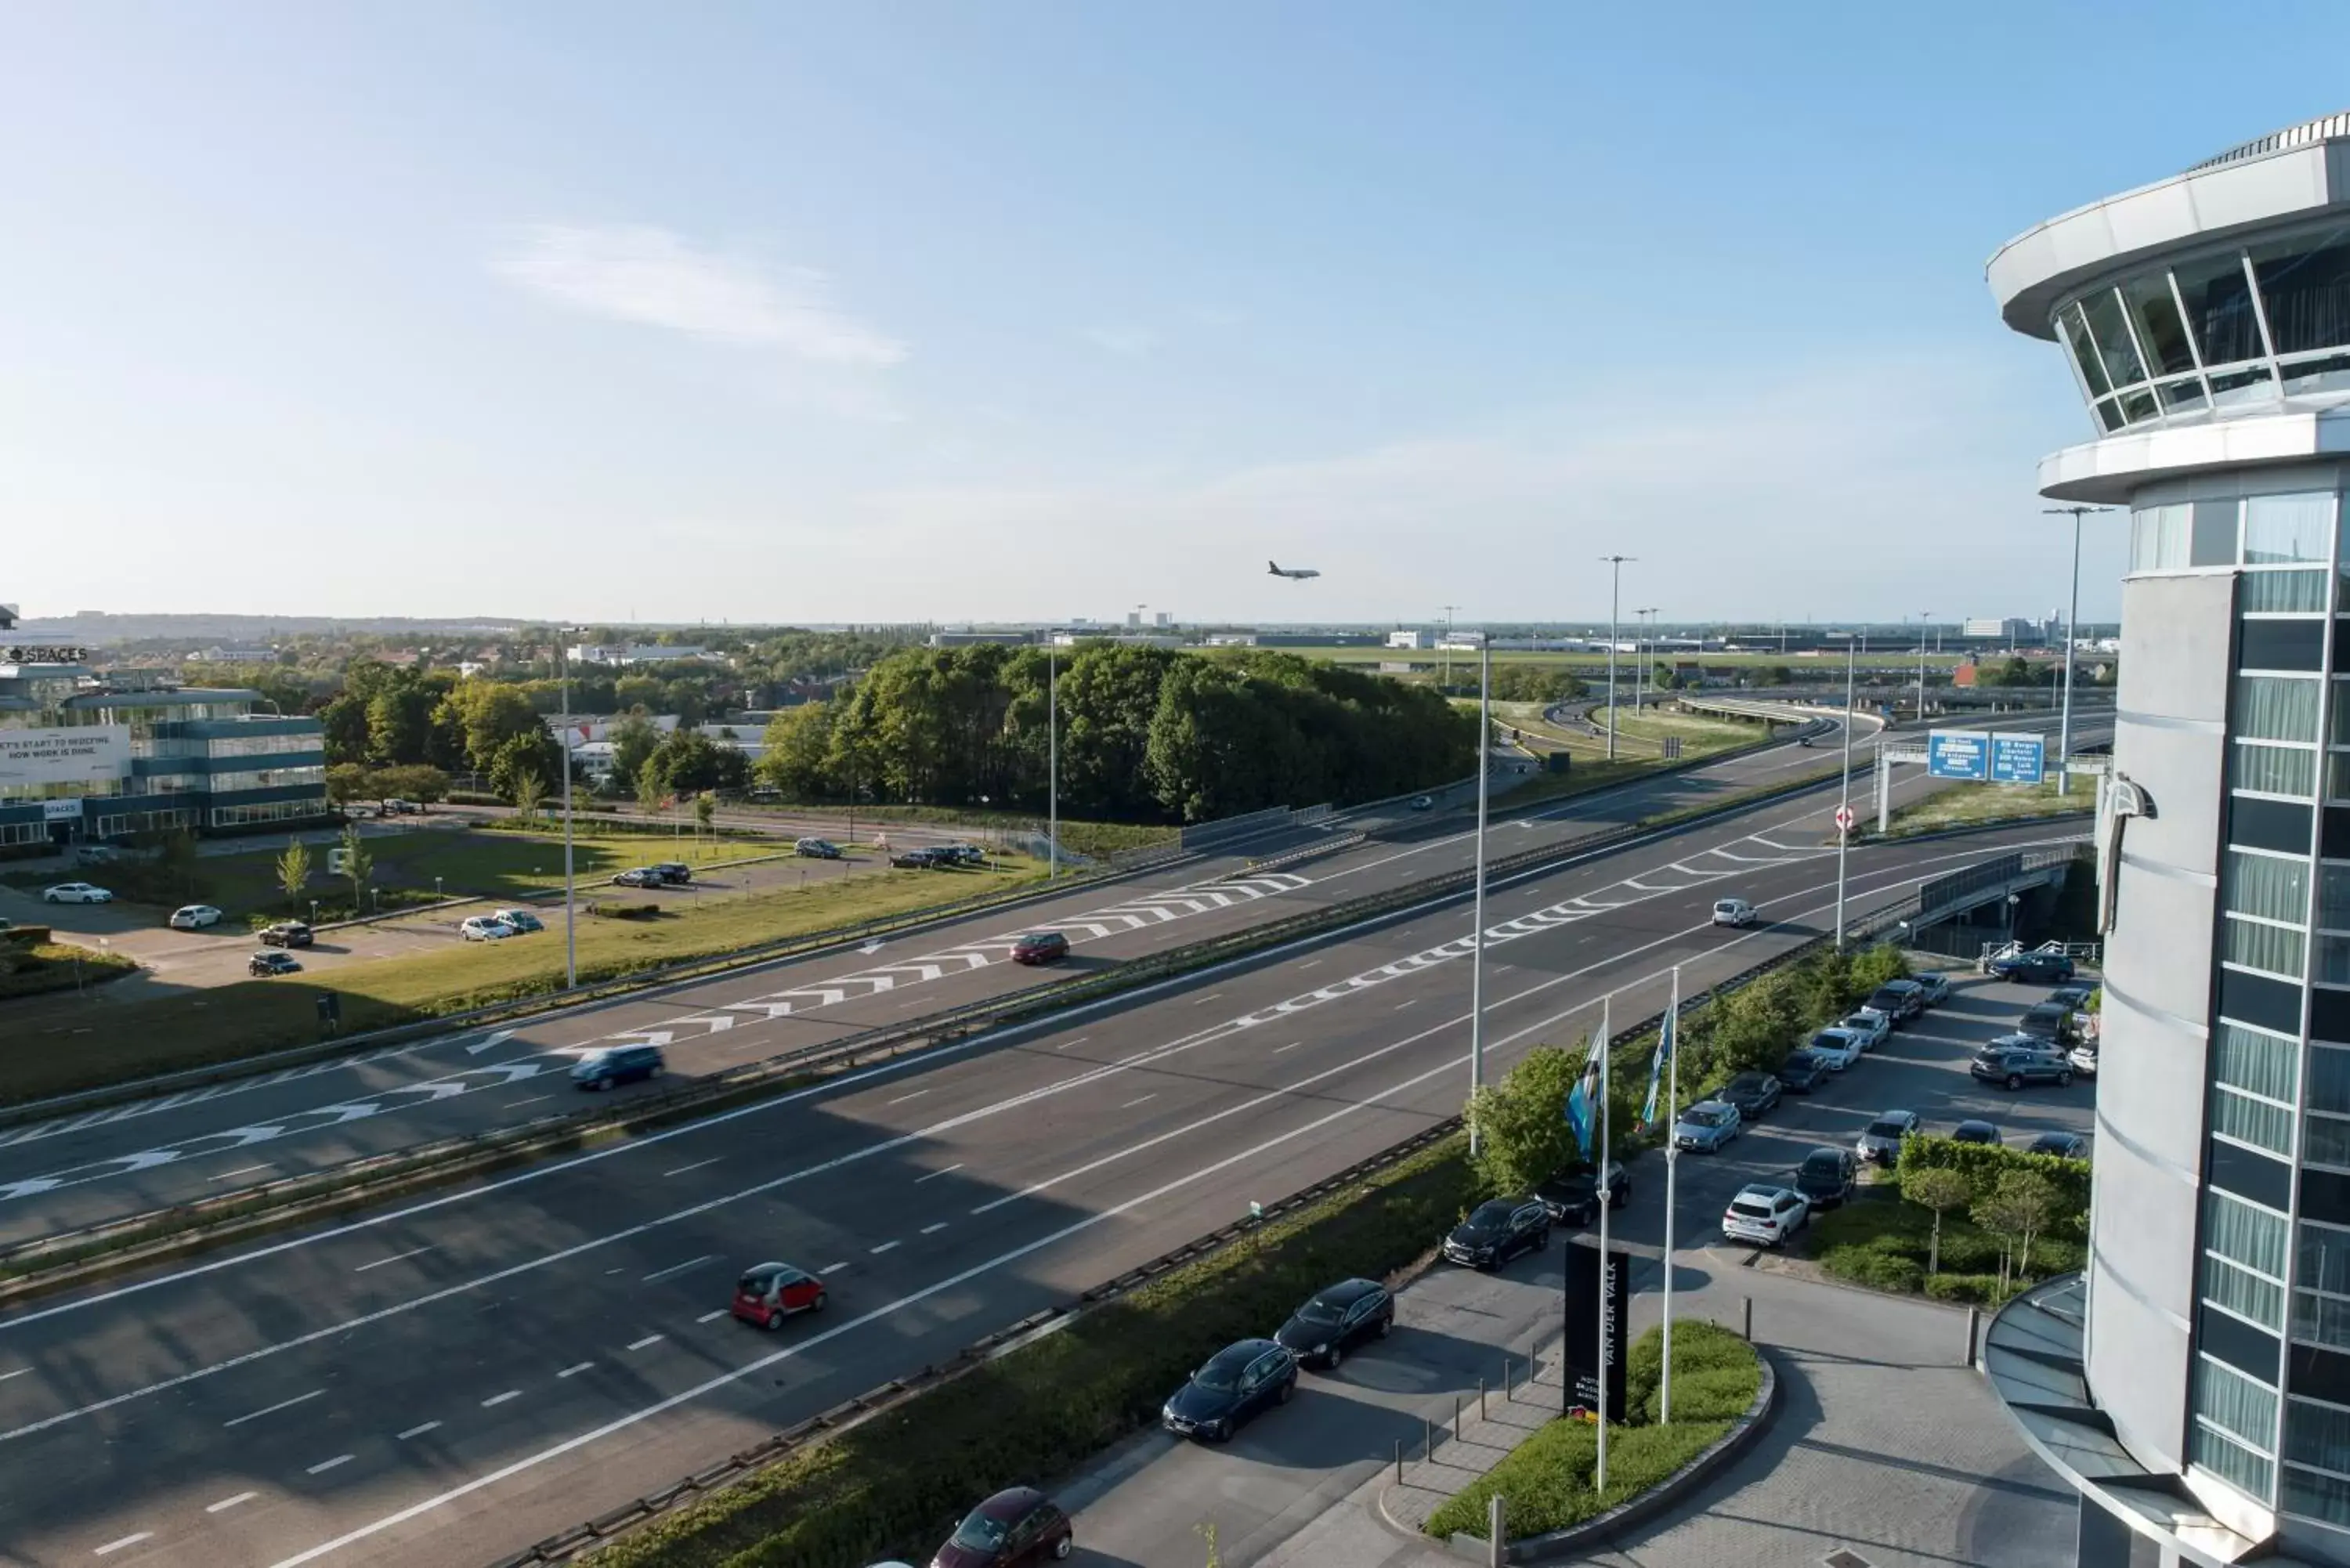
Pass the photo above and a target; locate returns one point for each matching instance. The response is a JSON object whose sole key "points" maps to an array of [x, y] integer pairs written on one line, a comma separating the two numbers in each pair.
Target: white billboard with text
{"points": [[83, 754]]}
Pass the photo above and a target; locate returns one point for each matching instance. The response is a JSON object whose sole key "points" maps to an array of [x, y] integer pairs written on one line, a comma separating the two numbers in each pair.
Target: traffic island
{"points": [[1541, 1464]]}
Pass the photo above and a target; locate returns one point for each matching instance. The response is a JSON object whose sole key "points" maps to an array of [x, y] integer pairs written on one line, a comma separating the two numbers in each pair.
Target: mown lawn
{"points": [[1880, 1241], [39, 968], [1965, 804], [223, 1022], [1545, 1483]]}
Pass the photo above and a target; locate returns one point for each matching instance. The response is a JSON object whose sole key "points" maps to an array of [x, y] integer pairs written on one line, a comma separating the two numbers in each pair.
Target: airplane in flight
{"points": [[1298, 573]]}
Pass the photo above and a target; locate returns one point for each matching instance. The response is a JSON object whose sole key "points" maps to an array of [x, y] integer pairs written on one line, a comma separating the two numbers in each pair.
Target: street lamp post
{"points": [[2072, 631], [1477, 934], [1615, 597], [1444, 649], [1844, 807], [1922, 667], [570, 901], [1052, 764]]}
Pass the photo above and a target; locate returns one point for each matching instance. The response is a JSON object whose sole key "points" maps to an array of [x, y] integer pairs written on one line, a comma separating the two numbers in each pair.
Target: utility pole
{"points": [[1843, 805], [1922, 667], [1615, 597], [2072, 631], [1445, 648], [570, 898], [1052, 764], [1477, 936]]}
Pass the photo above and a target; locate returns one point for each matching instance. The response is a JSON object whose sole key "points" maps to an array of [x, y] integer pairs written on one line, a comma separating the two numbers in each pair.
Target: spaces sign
{"points": [[77, 753], [1958, 753]]}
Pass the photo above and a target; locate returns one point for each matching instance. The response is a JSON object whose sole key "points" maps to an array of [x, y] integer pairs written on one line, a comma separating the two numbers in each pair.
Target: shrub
{"points": [[1714, 1373], [1875, 1267], [1981, 1289], [27, 935], [605, 910], [1982, 1164]]}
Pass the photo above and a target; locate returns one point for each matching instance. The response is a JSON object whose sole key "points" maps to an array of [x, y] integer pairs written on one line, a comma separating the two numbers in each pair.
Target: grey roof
{"points": [[2323, 128]]}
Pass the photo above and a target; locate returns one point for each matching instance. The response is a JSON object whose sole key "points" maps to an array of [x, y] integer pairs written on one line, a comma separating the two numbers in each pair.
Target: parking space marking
{"points": [[323, 1466], [935, 1174], [494, 1400], [420, 1431], [273, 1409], [225, 1504]]}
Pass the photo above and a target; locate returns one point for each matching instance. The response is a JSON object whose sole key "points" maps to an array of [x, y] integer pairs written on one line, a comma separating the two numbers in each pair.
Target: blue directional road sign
{"points": [[1958, 753], [2018, 759]]}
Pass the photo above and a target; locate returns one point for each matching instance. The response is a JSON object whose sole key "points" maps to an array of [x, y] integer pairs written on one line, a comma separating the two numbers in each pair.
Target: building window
{"points": [[2273, 770], [2314, 1496], [2296, 528], [2158, 539], [2257, 945], [2276, 707], [2269, 885], [2242, 1233], [2252, 1120], [2283, 592], [2244, 1292]]}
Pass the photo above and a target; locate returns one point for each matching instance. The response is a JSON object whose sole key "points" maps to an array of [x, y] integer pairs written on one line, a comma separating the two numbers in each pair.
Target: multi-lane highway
{"points": [[445, 1381]]}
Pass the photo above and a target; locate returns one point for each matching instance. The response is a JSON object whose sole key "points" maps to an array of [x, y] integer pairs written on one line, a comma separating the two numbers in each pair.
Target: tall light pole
{"points": [[1640, 656], [2072, 630], [1477, 936], [1052, 764], [1445, 648], [1922, 667], [1844, 807], [571, 909], [1615, 597]]}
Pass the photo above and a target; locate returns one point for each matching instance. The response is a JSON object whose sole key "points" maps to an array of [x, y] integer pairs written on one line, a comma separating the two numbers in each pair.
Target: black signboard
{"points": [[1584, 1316]]}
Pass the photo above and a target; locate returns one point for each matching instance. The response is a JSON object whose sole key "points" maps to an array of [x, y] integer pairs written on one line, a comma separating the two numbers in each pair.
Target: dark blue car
{"points": [[620, 1065], [2044, 969], [1237, 1383]]}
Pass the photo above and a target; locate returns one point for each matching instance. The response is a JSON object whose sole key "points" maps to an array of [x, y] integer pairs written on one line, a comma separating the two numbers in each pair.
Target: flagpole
{"points": [[1477, 934], [1601, 1485], [1673, 1109]]}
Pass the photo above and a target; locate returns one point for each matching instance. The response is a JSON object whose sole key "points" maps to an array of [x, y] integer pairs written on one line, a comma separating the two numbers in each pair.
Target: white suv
{"points": [[1765, 1214], [1732, 912], [483, 928]]}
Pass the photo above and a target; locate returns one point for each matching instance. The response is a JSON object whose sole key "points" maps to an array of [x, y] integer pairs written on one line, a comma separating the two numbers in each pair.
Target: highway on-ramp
{"points": [[446, 1381]]}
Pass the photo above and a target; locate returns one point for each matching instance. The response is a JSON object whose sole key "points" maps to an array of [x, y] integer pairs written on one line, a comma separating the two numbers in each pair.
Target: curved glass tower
{"points": [[2195, 1381]]}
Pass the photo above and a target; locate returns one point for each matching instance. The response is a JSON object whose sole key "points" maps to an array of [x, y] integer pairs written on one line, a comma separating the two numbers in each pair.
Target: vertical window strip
{"points": [[2276, 707], [2271, 949], [2255, 1060], [2269, 885], [2255, 1122], [2243, 1232], [2326, 1140], [2235, 1403], [2273, 770], [2241, 1292], [2297, 528], [2321, 1320], [2329, 1083], [2230, 1460]]}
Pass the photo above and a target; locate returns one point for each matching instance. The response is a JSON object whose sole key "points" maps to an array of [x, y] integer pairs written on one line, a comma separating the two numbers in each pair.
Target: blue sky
{"points": [[891, 311]]}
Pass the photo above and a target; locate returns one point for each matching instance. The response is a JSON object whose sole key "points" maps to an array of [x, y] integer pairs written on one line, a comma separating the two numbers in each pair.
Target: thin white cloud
{"points": [[648, 276], [1216, 315], [1133, 342]]}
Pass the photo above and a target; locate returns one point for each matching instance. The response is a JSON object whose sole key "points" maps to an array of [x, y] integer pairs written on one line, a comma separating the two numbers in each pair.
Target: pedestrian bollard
{"points": [[1456, 1418], [1398, 1461], [1974, 1332], [1428, 1444], [1746, 1319], [1509, 1377], [1497, 1545], [1481, 1398]]}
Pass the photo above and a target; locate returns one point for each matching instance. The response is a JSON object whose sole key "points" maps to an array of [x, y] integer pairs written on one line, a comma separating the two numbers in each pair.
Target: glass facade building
{"points": [[2205, 321]]}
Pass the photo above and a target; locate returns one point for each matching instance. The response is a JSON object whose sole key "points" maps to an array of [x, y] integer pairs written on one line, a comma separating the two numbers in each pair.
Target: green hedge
{"points": [[897, 1484], [1982, 1164], [1545, 1481], [1880, 1241]]}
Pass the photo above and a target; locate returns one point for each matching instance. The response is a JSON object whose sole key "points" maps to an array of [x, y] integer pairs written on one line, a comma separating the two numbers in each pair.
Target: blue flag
{"points": [[1583, 1100], [1656, 1072]]}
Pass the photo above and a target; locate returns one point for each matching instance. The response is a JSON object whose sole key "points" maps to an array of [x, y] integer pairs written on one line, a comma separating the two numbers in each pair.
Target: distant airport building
{"points": [[2194, 1383], [626, 656], [1410, 639], [86, 756], [976, 638], [1993, 628]]}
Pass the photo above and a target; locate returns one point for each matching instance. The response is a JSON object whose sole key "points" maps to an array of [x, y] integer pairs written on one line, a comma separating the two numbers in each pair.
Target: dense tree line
{"points": [[1145, 733]]}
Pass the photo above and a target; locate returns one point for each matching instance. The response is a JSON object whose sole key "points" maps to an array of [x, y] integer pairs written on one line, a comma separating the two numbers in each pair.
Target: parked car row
{"points": [[664, 874], [1248, 1377], [939, 857], [498, 925]]}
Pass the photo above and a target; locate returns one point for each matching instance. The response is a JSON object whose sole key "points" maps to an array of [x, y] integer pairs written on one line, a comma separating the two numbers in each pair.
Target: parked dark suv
{"points": [[1801, 1073], [1237, 1383], [2016, 1060], [2043, 968], [1497, 1230], [1320, 1332], [1827, 1176], [2049, 1021], [1573, 1196], [1752, 1093], [287, 934]]}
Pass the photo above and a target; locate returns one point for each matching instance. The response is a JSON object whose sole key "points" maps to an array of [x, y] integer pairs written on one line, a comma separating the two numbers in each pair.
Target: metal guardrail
{"points": [[181, 1228], [2085, 951], [606, 1527]]}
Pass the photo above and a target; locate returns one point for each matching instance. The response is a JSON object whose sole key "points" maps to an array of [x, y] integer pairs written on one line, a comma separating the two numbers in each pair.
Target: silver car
{"points": [[1880, 1141], [1707, 1127]]}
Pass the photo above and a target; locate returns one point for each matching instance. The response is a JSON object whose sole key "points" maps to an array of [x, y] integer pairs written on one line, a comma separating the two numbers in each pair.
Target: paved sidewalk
{"points": [[1482, 1441]]}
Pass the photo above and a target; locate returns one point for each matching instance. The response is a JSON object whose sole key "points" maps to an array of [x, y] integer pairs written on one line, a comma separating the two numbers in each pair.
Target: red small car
{"points": [[1010, 1530], [769, 1293], [1041, 947]]}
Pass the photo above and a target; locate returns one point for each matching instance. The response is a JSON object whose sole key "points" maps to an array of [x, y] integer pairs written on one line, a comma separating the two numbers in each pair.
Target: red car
{"points": [[1010, 1530], [769, 1293], [1041, 947]]}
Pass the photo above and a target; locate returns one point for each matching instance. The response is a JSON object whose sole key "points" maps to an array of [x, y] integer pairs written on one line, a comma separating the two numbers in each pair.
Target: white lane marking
{"points": [[680, 1268], [1407, 1001], [713, 1316], [934, 1229], [832, 1269], [1292, 1046], [1131, 1103], [531, 1101], [697, 1164], [1079, 1041], [494, 1400], [240, 1170], [1309, 964], [1894, 874], [18, 1373], [379, 1262], [877, 1251], [800, 1348], [933, 1176], [640, 1344], [575, 1370], [420, 1431], [273, 1409], [902, 1099], [323, 1466], [113, 1546], [225, 1504], [1204, 1001]]}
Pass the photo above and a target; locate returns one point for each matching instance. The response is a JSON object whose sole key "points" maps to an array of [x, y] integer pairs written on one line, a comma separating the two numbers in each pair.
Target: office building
{"points": [[86, 756], [2194, 1383]]}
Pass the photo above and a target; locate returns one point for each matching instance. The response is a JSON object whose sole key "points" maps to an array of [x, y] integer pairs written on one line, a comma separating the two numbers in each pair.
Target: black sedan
{"points": [[1499, 1230], [2062, 1145], [1752, 1092], [1238, 1383], [1802, 1073], [1825, 1177], [1320, 1332], [2044, 969], [1973, 1131], [273, 960], [1573, 1196]]}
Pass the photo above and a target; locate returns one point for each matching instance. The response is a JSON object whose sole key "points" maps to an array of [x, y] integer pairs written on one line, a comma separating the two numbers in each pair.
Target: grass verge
{"points": [[221, 1024], [57, 966], [1882, 1242], [896, 1485], [1546, 1483], [1970, 806]]}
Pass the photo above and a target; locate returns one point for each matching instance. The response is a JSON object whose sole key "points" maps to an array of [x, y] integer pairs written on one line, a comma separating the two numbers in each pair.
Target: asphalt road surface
{"points": [[79, 1169], [449, 1380]]}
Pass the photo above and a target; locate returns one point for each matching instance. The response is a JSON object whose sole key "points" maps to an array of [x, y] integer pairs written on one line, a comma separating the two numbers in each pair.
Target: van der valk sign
{"points": [[78, 754]]}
